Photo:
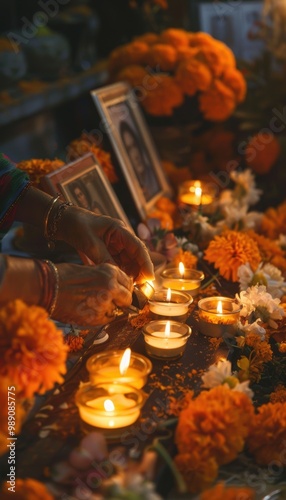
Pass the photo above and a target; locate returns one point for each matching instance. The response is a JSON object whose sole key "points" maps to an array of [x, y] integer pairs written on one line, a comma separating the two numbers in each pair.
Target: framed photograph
{"points": [[138, 160], [84, 183]]}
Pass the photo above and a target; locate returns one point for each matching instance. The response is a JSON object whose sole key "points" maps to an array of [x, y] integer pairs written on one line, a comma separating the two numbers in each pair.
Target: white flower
{"points": [[254, 327], [245, 190], [199, 225], [265, 274], [237, 216], [258, 303], [187, 245], [221, 374], [130, 485]]}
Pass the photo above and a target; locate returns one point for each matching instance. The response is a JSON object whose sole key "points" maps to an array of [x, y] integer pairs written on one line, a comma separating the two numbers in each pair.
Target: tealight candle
{"points": [[218, 316], [182, 279], [125, 367], [109, 405], [197, 194], [166, 339], [170, 303]]}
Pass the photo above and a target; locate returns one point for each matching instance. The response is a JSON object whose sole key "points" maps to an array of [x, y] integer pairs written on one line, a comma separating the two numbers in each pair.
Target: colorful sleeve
{"points": [[13, 183]]}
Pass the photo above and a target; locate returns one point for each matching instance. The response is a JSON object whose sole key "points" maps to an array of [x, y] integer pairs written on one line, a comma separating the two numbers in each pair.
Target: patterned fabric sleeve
{"points": [[13, 183]]}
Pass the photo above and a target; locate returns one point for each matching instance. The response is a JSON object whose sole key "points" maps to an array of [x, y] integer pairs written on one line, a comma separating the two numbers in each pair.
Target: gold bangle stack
{"points": [[52, 219]]}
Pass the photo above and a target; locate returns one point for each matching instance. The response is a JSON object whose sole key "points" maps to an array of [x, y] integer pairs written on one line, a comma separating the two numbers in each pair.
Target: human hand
{"points": [[88, 295], [104, 239]]}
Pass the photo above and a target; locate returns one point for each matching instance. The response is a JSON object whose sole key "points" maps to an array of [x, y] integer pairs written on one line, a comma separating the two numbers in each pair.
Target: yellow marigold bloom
{"points": [[236, 81], [163, 97], [220, 491], [163, 57], [274, 221], [266, 440], [267, 247], [213, 428], [193, 76], [26, 489], [279, 394], [175, 37], [149, 38], [189, 260], [131, 53], [32, 349], [133, 74], [230, 250], [217, 103], [37, 168]]}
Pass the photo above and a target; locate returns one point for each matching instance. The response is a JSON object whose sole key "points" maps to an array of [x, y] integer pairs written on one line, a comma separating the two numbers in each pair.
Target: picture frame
{"points": [[84, 183], [123, 121]]}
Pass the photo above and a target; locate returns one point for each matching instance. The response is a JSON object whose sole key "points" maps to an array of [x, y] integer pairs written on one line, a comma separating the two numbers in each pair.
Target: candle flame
{"points": [[198, 192], [181, 269], [148, 289], [167, 329], [108, 405], [219, 307], [125, 361], [168, 297]]}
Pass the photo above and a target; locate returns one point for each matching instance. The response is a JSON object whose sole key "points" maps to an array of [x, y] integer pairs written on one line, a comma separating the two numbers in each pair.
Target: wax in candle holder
{"points": [[197, 194], [170, 303], [189, 281], [162, 342], [109, 406], [218, 316], [106, 366]]}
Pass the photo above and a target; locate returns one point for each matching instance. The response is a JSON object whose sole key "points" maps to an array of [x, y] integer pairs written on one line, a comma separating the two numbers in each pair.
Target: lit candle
{"points": [[218, 316], [182, 279], [166, 339], [109, 405], [196, 194], [170, 303], [124, 367]]}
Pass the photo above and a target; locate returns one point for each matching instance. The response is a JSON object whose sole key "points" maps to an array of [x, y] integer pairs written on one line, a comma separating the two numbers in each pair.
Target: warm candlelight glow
{"points": [[181, 269], [167, 329], [219, 307], [125, 361], [147, 288], [169, 295], [108, 405], [198, 195]]}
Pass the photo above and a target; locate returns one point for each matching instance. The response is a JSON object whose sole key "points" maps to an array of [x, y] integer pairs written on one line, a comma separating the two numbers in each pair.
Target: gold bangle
{"points": [[55, 272], [46, 220]]}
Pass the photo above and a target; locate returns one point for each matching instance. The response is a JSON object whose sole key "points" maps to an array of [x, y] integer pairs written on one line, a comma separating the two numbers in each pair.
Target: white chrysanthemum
{"points": [[245, 190], [237, 216], [221, 374], [265, 274], [187, 245], [256, 303], [130, 485], [254, 327], [199, 224]]}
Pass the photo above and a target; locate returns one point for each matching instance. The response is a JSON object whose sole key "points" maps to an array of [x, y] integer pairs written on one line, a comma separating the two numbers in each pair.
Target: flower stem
{"points": [[213, 278], [161, 450]]}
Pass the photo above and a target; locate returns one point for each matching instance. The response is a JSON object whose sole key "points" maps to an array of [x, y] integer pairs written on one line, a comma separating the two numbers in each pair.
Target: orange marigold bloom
{"points": [[189, 259], [163, 97], [213, 428], [230, 250], [274, 221], [226, 54], [175, 37], [162, 57], [133, 74], [282, 347], [26, 489], [279, 394], [166, 221], [149, 38], [131, 53], [220, 491], [32, 349], [262, 353], [193, 76], [74, 342], [37, 168], [166, 205], [200, 39], [266, 440], [262, 157], [218, 102], [211, 56], [267, 247], [236, 81]]}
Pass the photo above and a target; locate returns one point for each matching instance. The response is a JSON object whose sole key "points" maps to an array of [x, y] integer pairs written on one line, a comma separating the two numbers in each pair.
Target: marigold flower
{"points": [[164, 97], [267, 247], [74, 342], [36, 168], [262, 157], [200, 39], [166, 205], [211, 430], [266, 441], [161, 56], [26, 489], [226, 54], [236, 81], [274, 221], [175, 37], [229, 251], [131, 53], [192, 76], [279, 394], [149, 38], [220, 491], [165, 219], [189, 259], [218, 102], [133, 74], [32, 349]]}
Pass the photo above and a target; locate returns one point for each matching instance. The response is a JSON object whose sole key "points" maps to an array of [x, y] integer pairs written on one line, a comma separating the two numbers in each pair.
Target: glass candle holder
{"points": [[197, 194], [161, 344], [105, 367], [190, 282], [109, 405], [170, 303], [218, 316]]}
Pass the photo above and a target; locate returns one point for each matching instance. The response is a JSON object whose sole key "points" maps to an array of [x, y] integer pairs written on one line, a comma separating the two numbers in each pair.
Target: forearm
{"points": [[19, 279]]}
